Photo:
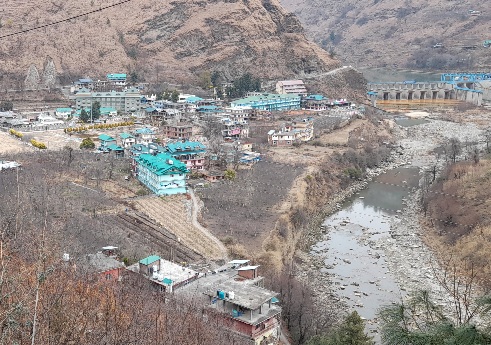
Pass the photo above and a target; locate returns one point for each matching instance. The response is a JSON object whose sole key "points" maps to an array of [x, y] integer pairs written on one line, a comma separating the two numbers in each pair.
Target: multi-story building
{"points": [[161, 173], [144, 136], [127, 140], [190, 153], [233, 130], [118, 79], [291, 87], [270, 102], [127, 101], [180, 130], [245, 307], [297, 131]]}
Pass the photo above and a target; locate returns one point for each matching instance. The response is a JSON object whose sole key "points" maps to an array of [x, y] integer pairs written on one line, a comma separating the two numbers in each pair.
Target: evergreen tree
{"points": [[96, 110], [174, 96], [84, 116], [349, 332]]}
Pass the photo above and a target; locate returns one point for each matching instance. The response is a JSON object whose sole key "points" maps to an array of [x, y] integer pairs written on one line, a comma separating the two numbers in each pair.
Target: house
{"points": [[180, 130], [118, 79], [118, 150], [315, 103], [213, 176], [300, 130], [127, 140], [233, 130], [270, 102], [108, 111], [239, 299], [161, 173], [190, 153], [106, 266], [105, 142], [164, 275], [144, 135], [291, 87], [148, 265], [63, 113]]}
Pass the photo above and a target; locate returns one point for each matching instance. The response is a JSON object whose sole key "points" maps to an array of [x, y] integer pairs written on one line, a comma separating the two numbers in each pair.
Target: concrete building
{"points": [[180, 130], [164, 275], [63, 113], [118, 79], [127, 140], [270, 102], [291, 87], [297, 131], [161, 173], [233, 130], [105, 142], [190, 153], [235, 299], [126, 101], [145, 136]]}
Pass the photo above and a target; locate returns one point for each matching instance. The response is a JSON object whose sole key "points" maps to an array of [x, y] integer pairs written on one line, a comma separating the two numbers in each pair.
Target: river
{"points": [[355, 262]]}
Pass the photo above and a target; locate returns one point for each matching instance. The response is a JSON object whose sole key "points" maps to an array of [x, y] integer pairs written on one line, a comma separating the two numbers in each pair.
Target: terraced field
{"points": [[173, 214]]}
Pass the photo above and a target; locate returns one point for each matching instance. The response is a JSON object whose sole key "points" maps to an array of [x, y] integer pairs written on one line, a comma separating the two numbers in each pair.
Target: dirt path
{"points": [[194, 218]]}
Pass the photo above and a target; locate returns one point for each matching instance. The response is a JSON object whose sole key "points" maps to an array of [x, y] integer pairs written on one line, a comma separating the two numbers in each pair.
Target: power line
{"points": [[64, 20]]}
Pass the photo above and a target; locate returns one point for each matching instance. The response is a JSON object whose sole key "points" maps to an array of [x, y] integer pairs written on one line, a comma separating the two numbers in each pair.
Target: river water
{"points": [[355, 263]]}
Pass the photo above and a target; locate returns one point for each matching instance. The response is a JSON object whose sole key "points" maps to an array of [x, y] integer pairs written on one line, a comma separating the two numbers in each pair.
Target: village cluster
{"points": [[166, 142], [167, 139], [233, 294]]}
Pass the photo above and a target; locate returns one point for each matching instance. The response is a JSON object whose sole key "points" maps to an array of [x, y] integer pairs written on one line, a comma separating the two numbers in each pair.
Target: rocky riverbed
{"points": [[402, 253]]}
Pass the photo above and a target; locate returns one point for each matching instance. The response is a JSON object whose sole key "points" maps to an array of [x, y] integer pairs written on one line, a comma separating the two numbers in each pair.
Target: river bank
{"points": [[403, 250]]}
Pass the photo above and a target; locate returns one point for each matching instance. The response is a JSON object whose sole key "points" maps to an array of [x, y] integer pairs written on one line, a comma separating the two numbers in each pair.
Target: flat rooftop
{"points": [[168, 270], [246, 294]]}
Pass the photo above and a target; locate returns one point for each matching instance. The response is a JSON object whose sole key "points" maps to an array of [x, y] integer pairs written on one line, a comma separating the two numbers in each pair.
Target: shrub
{"points": [[230, 174], [87, 143], [15, 133], [38, 144]]}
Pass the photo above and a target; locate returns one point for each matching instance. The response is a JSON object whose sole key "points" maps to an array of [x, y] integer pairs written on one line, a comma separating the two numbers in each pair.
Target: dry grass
{"points": [[467, 204]]}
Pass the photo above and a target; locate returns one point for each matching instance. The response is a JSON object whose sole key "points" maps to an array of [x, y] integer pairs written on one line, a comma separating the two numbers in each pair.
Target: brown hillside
{"points": [[160, 41], [399, 33]]}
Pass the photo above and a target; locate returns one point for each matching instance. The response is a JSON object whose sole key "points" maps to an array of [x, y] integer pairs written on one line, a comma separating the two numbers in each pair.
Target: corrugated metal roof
{"points": [[105, 137], [149, 260], [125, 135], [162, 164], [186, 146]]}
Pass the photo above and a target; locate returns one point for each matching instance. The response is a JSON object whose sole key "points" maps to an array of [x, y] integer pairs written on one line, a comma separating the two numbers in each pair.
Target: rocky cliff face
{"points": [[400, 33], [159, 41]]}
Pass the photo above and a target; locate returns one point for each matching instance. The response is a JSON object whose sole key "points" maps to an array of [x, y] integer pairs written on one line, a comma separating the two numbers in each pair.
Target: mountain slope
{"points": [[399, 33], [157, 40]]}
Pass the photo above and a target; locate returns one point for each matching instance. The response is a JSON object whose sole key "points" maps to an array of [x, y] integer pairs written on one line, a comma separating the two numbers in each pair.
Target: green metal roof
{"points": [[112, 76], [264, 97], [149, 260], [107, 110], [105, 137], [114, 147], [162, 164], [186, 147], [63, 110], [125, 135], [167, 281]]}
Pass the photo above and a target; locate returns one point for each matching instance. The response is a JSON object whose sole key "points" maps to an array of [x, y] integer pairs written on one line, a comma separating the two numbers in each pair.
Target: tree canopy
{"points": [[349, 332]]}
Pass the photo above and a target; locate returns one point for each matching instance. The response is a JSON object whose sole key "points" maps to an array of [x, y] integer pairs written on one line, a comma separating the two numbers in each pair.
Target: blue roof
{"points": [[167, 281], [114, 147], [125, 135], [107, 110], [316, 97], [139, 149], [185, 147], [150, 109], [63, 110], [193, 99], [144, 131], [149, 260], [85, 80], [161, 164], [105, 137], [112, 76]]}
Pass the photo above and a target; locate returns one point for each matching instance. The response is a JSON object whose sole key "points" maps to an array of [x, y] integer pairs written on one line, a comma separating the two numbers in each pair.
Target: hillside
{"points": [[158, 41], [397, 33]]}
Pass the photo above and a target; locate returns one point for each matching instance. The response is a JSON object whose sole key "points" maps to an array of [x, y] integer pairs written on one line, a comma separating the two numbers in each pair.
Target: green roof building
{"points": [[161, 173], [270, 102]]}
